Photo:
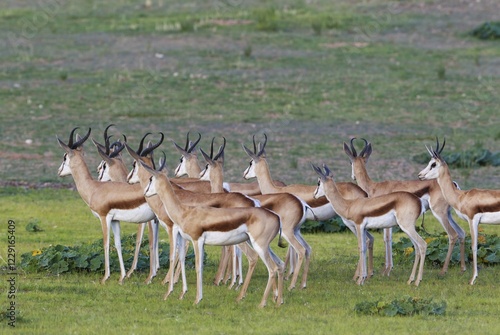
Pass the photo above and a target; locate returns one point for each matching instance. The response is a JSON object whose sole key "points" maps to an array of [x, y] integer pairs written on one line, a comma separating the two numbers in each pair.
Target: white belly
{"points": [[226, 238], [425, 201], [378, 222], [139, 214], [490, 218], [322, 213]]}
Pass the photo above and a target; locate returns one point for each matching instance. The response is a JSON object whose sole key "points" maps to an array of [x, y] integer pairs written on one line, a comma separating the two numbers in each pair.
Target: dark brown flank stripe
{"points": [[130, 204], [488, 208], [421, 191], [347, 188], [381, 209], [489, 205]]}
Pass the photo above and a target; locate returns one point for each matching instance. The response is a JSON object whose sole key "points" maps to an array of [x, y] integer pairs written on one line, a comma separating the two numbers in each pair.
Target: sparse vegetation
{"points": [[398, 74]]}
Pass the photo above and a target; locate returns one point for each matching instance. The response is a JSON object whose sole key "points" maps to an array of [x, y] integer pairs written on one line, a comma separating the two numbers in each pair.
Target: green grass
{"points": [[78, 303], [396, 74]]}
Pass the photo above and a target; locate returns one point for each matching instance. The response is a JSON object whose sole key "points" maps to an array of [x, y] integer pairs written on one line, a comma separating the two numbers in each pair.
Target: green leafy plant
{"points": [[404, 306], [266, 19], [33, 226], [477, 156], [437, 247], [487, 31], [89, 257], [335, 225]]}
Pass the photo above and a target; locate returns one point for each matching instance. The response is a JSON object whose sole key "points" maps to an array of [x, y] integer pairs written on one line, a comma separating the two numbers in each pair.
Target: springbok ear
{"points": [[98, 145], [328, 173], [367, 150], [152, 171], [103, 155], [249, 152], [207, 157], [63, 145], [318, 171], [132, 153]]}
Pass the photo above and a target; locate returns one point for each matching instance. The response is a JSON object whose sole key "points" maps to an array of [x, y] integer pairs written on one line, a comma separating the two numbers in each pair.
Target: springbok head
{"points": [[72, 148], [432, 169]]}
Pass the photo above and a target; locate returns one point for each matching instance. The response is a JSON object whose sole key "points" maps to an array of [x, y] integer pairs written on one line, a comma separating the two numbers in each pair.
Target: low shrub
{"points": [[89, 257], [335, 225], [488, 250], [487, 31], [404, 306]]}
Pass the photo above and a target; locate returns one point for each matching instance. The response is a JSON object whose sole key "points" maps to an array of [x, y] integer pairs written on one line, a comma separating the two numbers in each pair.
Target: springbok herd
{"points": [[204, 209]]}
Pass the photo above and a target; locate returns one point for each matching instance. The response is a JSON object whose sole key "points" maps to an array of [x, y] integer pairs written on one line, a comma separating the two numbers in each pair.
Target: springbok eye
{"points": [[182, 159], [433, 165]]}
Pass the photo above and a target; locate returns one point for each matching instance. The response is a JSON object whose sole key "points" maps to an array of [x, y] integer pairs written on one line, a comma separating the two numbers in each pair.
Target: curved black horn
{"points": [[440, 149], [106, 138], [192, 146], [141, 144], [263, 146], [187, 142], [81, 141], [71, 135], [254, 145], [119, 146], [221, 150], [107, 145], [154, 146], [162, 162], [212, 148], [353, 150], [364, 151], [327, 170]]}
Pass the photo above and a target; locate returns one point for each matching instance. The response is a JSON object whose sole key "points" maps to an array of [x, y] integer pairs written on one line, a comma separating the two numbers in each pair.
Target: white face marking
{"points": [[133, 176], [320, 190], [431, 171], [103, 172], [150, 188], [205, 174], [64, 169], [250, 171], [181, 169]]}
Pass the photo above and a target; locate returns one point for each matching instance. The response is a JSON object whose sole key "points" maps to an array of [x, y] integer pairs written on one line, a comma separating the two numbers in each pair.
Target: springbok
{"points": [[384, 211], [475, 206], [290, 208], [222, 226], [111, 202], [428, 190]]}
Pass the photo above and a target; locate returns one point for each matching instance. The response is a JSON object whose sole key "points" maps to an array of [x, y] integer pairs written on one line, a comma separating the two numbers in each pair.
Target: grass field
{"points": [[309, 74]]}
